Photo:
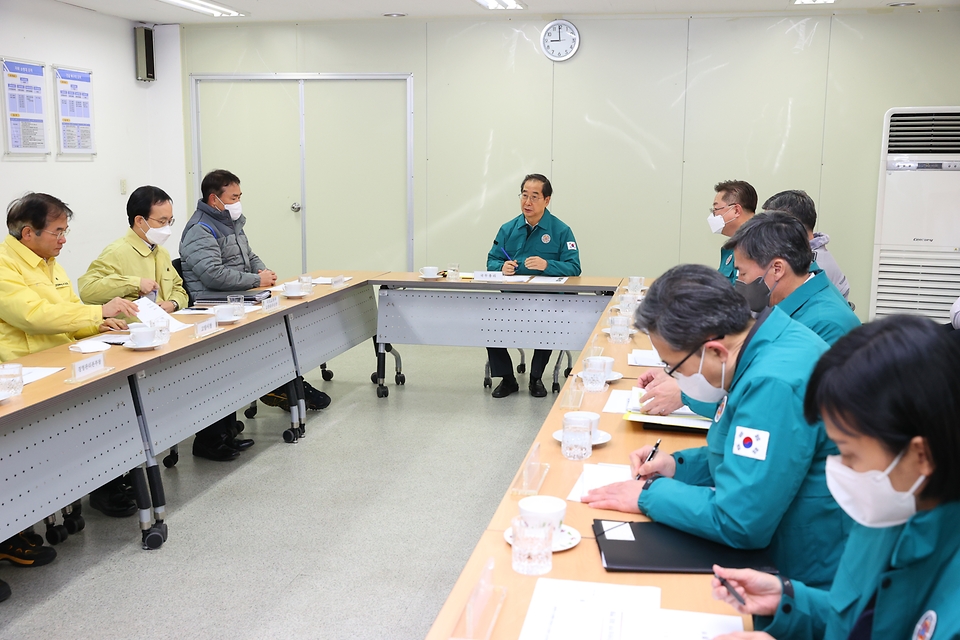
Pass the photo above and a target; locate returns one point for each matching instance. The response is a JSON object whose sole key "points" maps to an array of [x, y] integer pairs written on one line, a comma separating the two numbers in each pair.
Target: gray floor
{"points": [[358, 531]]}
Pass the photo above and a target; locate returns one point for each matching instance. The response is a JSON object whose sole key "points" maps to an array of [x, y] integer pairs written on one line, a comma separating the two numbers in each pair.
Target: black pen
{"points": [[650, 456], [730, 589]]}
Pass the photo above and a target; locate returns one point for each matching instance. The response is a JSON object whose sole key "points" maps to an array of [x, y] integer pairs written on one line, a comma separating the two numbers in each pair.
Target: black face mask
{"points": [[757, 292]]}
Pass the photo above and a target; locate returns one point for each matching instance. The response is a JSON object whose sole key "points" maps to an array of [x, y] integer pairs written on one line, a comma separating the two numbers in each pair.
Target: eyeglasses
{"points": [[671, 370], [534, 198], [60, 234], [163, 221], [714, 210]]}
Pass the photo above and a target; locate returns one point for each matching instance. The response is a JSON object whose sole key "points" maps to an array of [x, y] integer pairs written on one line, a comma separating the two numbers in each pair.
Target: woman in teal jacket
{"points": [[889, 393]]}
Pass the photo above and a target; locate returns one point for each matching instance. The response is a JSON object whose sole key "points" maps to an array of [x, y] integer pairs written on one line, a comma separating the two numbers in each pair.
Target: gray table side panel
{"points": [[183, 395], [477, 319], [333, 324], [63, 450]]}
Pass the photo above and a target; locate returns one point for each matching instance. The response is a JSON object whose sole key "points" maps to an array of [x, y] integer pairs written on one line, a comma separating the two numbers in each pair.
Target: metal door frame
{"points": [[197, 78]]}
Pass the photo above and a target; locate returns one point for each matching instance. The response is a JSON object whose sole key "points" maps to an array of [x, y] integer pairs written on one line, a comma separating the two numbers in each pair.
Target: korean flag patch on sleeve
{"points": [[572, 246], [751, 443]]}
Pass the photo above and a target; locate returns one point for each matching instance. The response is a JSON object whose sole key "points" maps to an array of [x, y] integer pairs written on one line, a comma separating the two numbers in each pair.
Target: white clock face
{"points": [[559, 40]]}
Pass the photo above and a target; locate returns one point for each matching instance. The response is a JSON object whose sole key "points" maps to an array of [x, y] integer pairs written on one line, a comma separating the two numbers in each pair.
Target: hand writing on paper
{"points": [[619, 496], [535, 263], [662, 393], [510, 267], [119, 306], [761, 591], [112, 324], [147, 285], [267, 278], [664, 464]]}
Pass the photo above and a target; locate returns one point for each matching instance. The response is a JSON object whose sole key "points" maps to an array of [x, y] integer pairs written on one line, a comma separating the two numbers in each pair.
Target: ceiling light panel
{"points": [[206, 8], [500, 4]]}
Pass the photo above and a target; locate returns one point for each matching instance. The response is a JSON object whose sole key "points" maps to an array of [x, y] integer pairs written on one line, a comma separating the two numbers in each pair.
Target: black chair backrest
{"points": [[176, 265]]}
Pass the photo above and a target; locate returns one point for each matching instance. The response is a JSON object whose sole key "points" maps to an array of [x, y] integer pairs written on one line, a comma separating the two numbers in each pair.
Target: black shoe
{"points": [[113, 501], [4, 591], [506, 387], [20, 551], [316, 399], [219, 452], [537, 390], [238, 444]]}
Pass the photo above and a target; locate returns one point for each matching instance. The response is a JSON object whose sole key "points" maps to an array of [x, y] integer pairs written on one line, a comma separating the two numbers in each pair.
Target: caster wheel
{"points": [[566, 372], [239, 426], [487, 383], [301, 431], [327, 375], [373, 377], [556, 387], [521, 368], [400, 379], [289, 436], [152, 538], [382, 391], [81, 523], [171, 460], [34, 537], [250, 412], [71, 525], [56, 534]]}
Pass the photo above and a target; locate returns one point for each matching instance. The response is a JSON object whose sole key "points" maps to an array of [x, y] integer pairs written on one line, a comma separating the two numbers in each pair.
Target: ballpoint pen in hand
{"points": [[506, 254], [730, 589], [650, 456]]}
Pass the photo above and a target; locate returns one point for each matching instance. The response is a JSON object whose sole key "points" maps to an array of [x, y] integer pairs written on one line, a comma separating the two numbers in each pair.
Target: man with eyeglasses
{"points": [[534, 243], [734, 203], [760, 480], [137, 265], [39, 310]]}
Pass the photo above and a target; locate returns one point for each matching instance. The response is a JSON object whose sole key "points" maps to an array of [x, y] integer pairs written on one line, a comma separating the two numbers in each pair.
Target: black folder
{"points": [[658, 548]]}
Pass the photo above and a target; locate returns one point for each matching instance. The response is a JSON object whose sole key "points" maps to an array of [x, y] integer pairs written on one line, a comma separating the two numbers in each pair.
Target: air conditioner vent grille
{"points": [[924, 133], [922, 283]]}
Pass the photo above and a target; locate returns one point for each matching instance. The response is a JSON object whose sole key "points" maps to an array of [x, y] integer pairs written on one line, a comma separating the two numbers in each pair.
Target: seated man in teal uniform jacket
{"points": [[734, 203], [760, 480], [534, 243], [773, 259]]}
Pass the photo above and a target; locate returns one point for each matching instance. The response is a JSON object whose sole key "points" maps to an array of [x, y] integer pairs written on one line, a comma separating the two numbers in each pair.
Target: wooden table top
{"points": [[582, 284]]}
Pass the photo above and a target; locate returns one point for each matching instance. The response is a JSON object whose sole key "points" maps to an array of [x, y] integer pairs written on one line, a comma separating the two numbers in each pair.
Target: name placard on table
{"points": [[205, 328], [88, 368], [270, 304]]}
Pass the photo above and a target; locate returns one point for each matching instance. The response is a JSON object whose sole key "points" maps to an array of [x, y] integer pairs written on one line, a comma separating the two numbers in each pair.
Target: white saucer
{"points": [[566, 538], [607, 331], [602, 437], [294, 295], [234, 321], [613, 377], [436, 277], [156, 343]]}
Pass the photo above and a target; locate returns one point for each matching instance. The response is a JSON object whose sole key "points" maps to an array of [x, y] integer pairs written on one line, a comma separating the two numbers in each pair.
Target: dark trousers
{"points": [[219, 430], [501, 366]]}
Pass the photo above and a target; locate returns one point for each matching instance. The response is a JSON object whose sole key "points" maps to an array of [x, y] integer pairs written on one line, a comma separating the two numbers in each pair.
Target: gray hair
{"points": [[773, 234], [691, 304]]}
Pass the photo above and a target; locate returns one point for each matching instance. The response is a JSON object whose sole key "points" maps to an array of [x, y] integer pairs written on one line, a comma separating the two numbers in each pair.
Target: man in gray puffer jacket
{"points": [[214, 252]]}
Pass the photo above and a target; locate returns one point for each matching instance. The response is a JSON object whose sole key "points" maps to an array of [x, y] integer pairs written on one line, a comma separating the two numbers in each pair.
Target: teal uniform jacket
{"points": [[721, 493], [551, 240], [818, 305], [727, 268], [914, 570]]}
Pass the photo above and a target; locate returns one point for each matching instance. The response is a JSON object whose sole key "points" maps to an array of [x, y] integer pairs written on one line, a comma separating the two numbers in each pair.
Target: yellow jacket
{"points": [[118, 270], [38, 308]]}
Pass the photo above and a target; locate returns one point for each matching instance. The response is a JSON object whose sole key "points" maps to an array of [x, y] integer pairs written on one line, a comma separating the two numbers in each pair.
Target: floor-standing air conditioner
{"points": [[916, 252]]}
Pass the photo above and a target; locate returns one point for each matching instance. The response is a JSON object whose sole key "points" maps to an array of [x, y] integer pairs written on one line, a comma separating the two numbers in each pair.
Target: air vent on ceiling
{"points": [[924, 133], [922, 283]]}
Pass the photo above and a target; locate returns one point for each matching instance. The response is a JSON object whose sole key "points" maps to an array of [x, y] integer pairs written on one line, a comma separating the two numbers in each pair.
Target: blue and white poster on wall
{"points": [[25, 107], [74, 90]]}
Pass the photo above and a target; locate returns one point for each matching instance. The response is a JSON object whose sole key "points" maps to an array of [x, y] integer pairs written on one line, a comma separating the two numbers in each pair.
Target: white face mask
{"points": [[716, 223], [157, 235], [235, 209], [868, 497], [699, 388]]}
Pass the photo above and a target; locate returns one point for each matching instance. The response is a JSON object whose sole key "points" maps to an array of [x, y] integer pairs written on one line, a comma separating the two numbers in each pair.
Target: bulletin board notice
{"points": [[24, 106], [74, 110]]}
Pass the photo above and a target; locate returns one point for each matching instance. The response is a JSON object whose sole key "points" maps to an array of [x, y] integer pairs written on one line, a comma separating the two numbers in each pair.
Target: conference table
{"points": [[690, 592], [60, 440]]}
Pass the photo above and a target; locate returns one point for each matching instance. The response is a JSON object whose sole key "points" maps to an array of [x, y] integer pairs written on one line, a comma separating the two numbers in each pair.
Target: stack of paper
{"points": [[150, 311], [682, 417], [644, 358]]}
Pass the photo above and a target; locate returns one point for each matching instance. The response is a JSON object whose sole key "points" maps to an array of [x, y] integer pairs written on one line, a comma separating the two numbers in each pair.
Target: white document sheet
{"points": [[91, 346], [110, 337], [644, 358], [32, 374], [636, 403], [548, 279], [150, 311], [330, 280], [594, 476], [574, 610], [617, 401], [681, 625]]}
